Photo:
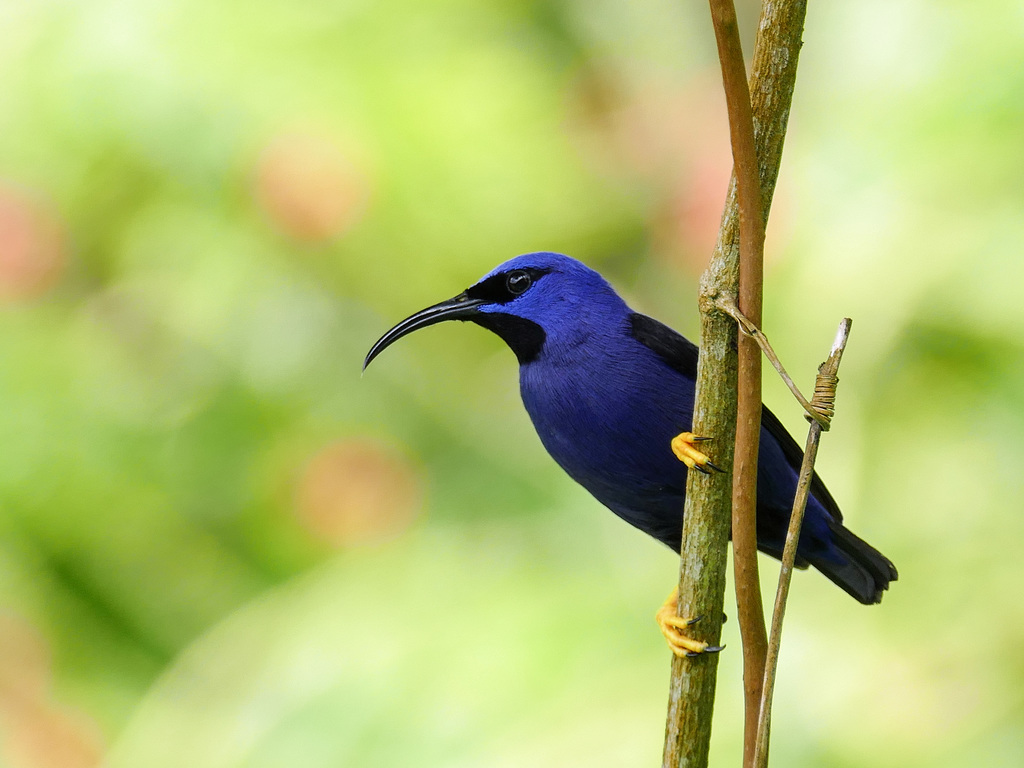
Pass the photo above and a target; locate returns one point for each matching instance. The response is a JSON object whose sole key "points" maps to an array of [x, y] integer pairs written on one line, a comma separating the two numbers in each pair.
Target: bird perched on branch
{"points": [[611, 391]]}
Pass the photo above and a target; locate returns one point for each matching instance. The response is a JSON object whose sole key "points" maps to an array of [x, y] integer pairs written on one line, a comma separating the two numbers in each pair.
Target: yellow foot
{"points": [[672, 628], [684, 446]]}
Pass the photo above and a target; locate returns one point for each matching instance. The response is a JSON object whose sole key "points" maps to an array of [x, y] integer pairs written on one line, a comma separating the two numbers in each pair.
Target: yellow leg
{"points": [[684, 446], [672, 627]]}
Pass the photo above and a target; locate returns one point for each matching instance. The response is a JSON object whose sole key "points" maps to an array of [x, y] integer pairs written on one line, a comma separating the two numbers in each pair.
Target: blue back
{"points": [[606, 407], [608, 389]]}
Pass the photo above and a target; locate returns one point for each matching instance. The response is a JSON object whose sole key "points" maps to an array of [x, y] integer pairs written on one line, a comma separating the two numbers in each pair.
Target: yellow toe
{"points": [[672, 627], [684, 446]]}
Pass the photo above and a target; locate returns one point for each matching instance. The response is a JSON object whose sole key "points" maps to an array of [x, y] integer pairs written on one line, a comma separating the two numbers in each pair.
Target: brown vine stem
{"points": [[827, 379], [750, 610], [706, 519]]}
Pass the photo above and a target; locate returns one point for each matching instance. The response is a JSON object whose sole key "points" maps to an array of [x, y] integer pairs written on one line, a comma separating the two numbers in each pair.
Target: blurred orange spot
{"points": [[309, 188], [34, 732], [695, 160], [31, 246], [688, 225], [25, 661], [358, 492], [674, 137]]}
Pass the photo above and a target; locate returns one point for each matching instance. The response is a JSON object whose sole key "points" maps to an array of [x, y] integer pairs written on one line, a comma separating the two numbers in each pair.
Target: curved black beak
{"points": [[461, 307]]}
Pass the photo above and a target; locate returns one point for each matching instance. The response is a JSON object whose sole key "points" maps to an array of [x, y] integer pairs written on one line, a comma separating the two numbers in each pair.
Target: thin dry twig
{"points": [[827, 380], [748, 327]]}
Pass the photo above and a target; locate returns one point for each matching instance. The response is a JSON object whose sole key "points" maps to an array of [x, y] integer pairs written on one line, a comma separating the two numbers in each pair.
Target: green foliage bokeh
{"points": [[210, 210]]}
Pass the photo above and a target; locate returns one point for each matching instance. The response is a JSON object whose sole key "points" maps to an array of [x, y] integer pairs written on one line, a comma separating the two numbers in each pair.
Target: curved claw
{"points": [[684, 447], [671, 627], [709, 649]]}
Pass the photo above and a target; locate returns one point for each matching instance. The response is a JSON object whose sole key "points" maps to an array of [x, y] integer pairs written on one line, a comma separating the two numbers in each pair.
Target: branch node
{"points": [[824, 400]]}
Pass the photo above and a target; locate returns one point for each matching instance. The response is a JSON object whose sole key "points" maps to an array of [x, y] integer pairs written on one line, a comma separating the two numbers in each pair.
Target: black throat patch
{"points": [[523, 336]]}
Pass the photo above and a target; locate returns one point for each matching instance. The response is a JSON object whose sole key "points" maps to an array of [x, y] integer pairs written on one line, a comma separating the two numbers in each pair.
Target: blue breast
{"points": [[607, 411], [607, 408]]}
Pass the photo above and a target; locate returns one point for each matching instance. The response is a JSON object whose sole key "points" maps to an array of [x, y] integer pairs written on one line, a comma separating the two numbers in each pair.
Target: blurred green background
{"points": [[220, 546]]}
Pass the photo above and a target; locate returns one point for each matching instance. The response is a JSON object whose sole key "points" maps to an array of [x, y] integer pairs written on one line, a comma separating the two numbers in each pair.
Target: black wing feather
{"points": [[680, 354], [795, 457]]}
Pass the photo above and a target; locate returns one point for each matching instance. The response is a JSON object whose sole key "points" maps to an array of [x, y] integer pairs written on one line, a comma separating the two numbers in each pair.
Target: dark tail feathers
{"points": [[864, 572]]}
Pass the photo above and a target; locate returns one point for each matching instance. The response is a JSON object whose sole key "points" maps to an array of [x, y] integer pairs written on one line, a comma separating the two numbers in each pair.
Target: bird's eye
{"points": [[518, 281]]}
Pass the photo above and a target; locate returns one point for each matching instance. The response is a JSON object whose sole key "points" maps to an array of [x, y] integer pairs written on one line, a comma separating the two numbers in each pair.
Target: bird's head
{"points": [[533, 301]]}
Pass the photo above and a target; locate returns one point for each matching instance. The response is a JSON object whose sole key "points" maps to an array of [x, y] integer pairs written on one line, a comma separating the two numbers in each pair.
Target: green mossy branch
{"points": [[708, 500]]}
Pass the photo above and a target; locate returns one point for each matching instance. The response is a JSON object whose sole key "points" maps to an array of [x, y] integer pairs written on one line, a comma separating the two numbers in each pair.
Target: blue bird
{"points": [[609, 390]]}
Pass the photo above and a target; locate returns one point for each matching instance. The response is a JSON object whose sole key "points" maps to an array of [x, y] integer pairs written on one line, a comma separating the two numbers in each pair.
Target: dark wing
{"points": [[680, 354], [795, 457]]}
